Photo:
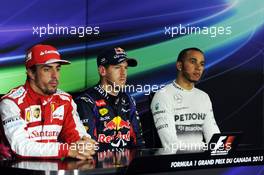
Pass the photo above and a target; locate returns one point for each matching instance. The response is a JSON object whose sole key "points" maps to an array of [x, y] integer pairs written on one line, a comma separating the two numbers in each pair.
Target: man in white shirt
{"points": [[183, 114]]}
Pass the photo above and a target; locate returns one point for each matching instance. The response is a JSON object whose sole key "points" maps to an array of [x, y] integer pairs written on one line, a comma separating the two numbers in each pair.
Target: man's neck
{"points": [[109, 88], [185, 84]]}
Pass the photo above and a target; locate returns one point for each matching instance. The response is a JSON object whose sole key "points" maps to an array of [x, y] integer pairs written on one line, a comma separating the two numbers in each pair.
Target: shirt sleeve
{"points": [[85, 108], [163, 119], [209, 127], [18, 138]]}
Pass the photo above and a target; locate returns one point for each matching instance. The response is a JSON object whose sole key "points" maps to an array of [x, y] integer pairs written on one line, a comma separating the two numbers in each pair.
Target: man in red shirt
{"points": [[40, 120]]}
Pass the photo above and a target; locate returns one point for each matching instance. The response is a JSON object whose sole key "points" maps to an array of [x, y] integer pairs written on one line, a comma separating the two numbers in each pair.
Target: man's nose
{"points": [[198, 67], [123, 71], [55, 74]]}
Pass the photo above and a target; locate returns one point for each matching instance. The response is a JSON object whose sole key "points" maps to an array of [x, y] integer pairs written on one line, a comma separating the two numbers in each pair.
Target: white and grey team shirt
{"points": [[183, 117]]}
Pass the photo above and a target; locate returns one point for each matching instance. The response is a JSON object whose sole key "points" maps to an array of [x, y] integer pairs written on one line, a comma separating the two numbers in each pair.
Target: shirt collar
{"points": [[104, 93], [35, 96], [177, 86]]}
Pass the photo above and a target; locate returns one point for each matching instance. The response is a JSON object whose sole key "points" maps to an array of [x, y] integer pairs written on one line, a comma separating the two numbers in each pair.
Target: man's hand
{"points": [[83, 149]]}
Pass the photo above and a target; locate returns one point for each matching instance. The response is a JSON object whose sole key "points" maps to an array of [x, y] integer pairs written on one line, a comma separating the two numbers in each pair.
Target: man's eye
{"points": [[46, 69]]}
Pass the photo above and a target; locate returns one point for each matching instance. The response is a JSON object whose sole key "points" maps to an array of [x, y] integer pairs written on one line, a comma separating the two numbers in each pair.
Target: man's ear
{"points": [[30, 74], [179, 65], [102, 70]]}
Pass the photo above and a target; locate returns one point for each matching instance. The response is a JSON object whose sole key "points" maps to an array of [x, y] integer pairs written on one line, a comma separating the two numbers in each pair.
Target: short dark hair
{"points": [[106, 66], [33, 69], [183, 53]]}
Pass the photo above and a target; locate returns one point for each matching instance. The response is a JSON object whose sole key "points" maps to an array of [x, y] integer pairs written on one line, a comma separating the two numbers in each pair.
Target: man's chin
{"points": [[51, 91], [193, 80], [121, 84], [119, 87]]}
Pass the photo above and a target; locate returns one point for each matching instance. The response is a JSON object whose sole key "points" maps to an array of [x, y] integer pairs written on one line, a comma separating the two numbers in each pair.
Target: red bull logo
{"points": [[116, 123], [108, 139]]}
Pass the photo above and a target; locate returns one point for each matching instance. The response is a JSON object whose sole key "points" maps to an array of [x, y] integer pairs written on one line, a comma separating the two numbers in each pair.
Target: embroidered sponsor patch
{"points": [[100, 103], [17, 93], [103, 111], [58, 113], [33, 113]]}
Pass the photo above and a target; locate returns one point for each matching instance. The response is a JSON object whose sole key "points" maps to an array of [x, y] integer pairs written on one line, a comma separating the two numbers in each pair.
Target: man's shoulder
{"points": [[162, 96], [15, 93], [127, 97], [165, 91], [87, 96], [11, 100], [201, 93], [62, 92], [63, 95]]}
